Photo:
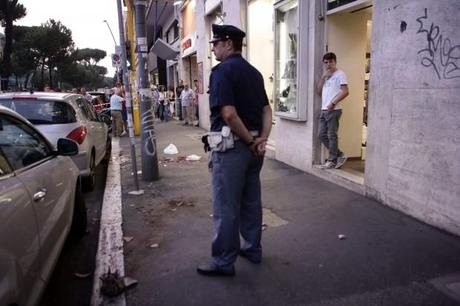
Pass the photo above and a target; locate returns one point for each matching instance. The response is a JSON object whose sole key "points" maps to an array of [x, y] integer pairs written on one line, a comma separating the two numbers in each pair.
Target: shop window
{"points": [[172, 34], [286, 45]]}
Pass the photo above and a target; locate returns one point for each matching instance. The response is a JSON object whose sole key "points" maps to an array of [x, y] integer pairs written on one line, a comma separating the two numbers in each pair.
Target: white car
{"points": [[66, 115], [40, 203]]}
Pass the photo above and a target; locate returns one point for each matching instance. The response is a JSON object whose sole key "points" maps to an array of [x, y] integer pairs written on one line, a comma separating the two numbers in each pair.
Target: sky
{"points": [[85, 18]]}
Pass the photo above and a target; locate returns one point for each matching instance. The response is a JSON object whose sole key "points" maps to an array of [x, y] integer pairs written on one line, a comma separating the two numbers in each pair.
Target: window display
{"points": [[286, 101]]}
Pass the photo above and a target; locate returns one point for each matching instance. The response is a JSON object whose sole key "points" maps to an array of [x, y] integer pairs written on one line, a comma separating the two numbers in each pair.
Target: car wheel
{"points": [[90, 181], [79, 218]]}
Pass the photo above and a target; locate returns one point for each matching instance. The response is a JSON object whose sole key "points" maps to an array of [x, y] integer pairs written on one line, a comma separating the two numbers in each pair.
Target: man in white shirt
{"points": [[333, 88], [187, 95], [116, 107]]}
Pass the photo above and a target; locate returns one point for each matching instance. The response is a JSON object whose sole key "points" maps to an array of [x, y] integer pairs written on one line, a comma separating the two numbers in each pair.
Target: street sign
{"points": [[116, 60]]}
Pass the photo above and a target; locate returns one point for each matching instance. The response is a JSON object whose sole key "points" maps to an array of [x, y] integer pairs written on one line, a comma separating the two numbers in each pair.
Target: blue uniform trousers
{"points": [[237, 206]]}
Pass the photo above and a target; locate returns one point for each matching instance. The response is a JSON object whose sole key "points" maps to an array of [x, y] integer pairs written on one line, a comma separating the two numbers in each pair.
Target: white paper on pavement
{"points": [[171, 149]]}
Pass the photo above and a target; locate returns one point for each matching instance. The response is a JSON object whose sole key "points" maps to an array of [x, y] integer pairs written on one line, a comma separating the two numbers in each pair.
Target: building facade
{"points": [[399, 123]]}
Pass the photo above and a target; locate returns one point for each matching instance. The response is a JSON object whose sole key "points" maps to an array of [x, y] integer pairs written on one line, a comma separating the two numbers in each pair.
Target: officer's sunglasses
{"points": [[214, 43]]}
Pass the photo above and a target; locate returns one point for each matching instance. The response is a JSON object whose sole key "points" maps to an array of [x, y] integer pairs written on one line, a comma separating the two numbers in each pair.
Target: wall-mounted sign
{"points": [[187, 45]]}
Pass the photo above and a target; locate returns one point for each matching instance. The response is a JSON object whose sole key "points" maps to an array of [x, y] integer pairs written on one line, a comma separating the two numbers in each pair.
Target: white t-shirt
{"points": [[331, 88], [187, 97], [116, 102]]}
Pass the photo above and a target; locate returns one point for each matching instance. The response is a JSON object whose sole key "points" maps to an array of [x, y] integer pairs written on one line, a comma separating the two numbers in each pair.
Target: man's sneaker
{"points": [[340, 161], [123, 133], [329, 165]]}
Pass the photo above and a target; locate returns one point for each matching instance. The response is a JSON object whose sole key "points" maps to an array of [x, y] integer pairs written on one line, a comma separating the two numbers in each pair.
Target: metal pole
{"points": [[149, 155], [129, 105]]}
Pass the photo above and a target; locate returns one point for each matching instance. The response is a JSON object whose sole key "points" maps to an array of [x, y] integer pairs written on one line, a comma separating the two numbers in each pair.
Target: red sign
{"points": [[186, 44]]}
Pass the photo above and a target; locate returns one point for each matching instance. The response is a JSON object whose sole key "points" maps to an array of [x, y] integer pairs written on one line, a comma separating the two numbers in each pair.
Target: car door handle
{"points": [[40, 195]]}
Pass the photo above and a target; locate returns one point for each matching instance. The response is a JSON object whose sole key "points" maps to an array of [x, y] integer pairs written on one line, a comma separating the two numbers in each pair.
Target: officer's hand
{"points": [[331, 106], [259, 146]]}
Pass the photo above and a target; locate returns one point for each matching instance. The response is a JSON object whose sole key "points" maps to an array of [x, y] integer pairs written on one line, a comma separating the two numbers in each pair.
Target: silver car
{"points": [[66, 115], [40, 203]]}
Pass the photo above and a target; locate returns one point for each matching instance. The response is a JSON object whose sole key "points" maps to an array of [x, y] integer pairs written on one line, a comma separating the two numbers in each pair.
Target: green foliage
{"points": [[47, 54], [11, 10], [89, 56]]}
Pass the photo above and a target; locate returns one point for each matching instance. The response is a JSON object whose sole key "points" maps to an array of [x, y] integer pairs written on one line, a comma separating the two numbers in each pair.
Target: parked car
{"points": [[66, 115], [40, 203], [101, 104]]}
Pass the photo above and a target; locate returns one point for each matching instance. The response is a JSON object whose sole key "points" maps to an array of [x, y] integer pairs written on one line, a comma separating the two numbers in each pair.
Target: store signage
{"points": [[187, 45]]}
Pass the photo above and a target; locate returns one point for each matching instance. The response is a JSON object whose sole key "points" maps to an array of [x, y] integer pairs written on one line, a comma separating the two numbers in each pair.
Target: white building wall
{"points": [[232, 13], [414, 110]]}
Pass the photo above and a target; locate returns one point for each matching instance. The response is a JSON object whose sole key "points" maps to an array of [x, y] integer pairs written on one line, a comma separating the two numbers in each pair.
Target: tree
{"points": [[24, 60], [57, 45], [10, 10], [89, 56]]}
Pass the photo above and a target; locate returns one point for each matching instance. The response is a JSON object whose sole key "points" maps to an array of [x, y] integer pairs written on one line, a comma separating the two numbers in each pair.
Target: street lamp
{"points": [[113, 37], [115, 42]]}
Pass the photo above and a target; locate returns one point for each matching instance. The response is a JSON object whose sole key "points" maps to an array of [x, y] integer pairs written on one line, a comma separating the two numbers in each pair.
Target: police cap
{"points": [[224, 32]]}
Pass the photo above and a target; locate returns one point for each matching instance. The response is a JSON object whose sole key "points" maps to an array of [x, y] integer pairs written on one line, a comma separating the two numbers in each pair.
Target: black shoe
{"points": [[213, 270], [245, 254]]}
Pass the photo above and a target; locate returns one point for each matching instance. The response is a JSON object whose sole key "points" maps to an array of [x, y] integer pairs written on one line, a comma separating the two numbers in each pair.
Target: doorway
{"points": [[348, 35]]}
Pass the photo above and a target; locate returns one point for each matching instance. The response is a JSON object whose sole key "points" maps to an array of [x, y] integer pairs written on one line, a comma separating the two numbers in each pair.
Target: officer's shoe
{"points": [[213, 270], [250, 257]]}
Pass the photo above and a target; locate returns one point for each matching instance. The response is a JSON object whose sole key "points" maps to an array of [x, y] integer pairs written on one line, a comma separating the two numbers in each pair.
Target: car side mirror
{"points": [[67, 147]]}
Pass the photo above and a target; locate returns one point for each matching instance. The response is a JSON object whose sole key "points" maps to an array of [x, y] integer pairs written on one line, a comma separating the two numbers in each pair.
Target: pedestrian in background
{"points": [[241, 120], [179, 106], [155, 100], [163, 113], [196, 104], [116, 106], [333, 88], [187, 97], [86, 95], [171, 102]]}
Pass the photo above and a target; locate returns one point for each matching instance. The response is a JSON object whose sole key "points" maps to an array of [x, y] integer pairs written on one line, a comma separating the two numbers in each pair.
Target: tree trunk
{"points": [[6, 61], [42, 81], [50, 73], [27, 80]]}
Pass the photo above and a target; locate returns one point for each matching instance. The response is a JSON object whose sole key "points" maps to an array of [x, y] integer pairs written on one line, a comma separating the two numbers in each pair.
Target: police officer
{"points": [[238, 101]]}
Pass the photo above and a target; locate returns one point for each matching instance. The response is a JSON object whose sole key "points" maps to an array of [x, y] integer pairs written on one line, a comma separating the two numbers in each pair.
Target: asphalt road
{"points": [[78, 257]]}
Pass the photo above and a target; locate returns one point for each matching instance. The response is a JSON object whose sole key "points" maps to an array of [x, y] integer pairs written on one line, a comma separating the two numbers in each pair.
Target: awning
{"points": [[164, 50]]}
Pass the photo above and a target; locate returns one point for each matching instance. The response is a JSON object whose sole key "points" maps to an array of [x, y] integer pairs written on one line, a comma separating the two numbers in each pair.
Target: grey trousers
{"points": [[328, 127], [237, 205]]}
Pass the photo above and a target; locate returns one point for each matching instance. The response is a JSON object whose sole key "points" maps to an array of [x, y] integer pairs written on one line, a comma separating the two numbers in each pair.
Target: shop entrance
{"points": [[348, 36]]}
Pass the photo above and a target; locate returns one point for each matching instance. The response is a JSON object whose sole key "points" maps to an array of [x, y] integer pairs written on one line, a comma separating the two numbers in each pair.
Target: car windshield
{"points": [[42, 111]]}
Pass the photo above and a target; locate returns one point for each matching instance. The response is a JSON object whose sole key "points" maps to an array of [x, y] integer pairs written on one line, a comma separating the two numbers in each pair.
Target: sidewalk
{"points": [[387, 258]]}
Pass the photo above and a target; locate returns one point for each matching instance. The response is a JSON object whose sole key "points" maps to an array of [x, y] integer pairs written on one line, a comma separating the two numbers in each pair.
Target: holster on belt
{"points": [[218, 141]]}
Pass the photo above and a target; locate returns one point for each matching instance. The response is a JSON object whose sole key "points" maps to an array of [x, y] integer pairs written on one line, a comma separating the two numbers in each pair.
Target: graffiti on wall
{"points": [[439, 53], [147, 121]]}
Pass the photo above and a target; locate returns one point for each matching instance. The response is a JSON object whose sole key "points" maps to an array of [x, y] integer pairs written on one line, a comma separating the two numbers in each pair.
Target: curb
{"points": [[110, 245]]}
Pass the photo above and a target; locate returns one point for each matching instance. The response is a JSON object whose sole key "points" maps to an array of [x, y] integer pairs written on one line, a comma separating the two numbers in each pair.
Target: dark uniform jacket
{"points": [[236, 82]]}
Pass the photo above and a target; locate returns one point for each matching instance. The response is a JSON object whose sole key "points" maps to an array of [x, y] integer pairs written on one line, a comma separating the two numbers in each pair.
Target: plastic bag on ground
{"points": [[171, 149], [193, 157]]}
